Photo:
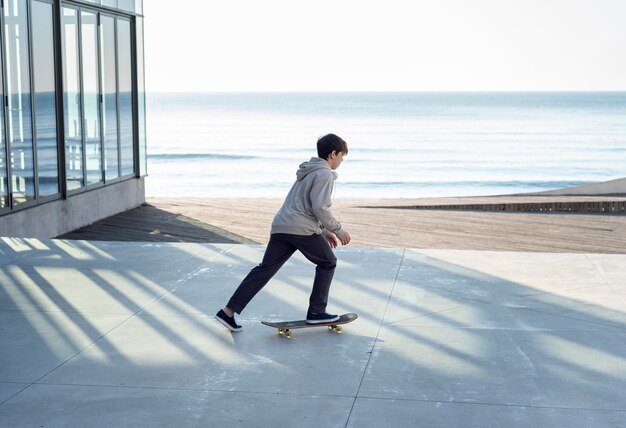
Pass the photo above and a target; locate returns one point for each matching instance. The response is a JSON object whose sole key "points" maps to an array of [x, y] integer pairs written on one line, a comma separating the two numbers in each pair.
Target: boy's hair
{"points": [[328, 143]]}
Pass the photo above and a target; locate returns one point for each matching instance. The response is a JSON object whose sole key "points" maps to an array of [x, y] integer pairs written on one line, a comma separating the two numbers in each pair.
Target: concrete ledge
{"points": [[611, 187], [62, 216]]}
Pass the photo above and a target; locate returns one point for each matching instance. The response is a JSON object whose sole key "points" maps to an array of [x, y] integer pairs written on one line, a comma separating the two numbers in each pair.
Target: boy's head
{"points": [[330, 143]]}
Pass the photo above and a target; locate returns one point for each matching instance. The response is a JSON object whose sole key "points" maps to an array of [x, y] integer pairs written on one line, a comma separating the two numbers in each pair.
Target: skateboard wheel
{"points": [[288, 334], [330, 327], [281, 331], [338, 329]]}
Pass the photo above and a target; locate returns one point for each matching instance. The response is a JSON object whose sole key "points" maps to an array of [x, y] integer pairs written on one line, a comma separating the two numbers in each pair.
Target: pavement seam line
{"points": [[480, 403], [295, 394], [598, 268], [380, 325], [181, 389]]}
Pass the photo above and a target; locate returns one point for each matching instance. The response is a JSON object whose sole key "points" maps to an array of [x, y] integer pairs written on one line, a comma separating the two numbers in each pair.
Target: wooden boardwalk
{"points": [[615, 205], [149, 223], [381, 223]]}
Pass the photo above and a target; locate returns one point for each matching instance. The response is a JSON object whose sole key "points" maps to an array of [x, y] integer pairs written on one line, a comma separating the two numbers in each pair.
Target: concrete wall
{"points": [[58, 217], [613, 187]]}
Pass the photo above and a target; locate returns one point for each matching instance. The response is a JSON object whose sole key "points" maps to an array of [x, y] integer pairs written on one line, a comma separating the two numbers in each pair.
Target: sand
{"points": [[381, 223]]}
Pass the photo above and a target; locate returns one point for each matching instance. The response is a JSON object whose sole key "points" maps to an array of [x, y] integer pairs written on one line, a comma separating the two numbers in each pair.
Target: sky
{"points": [[385, 45]]}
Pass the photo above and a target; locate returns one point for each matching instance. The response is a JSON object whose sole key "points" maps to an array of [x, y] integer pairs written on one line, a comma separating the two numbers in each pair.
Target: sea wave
{"points": [[182, 156], [541, 184]]}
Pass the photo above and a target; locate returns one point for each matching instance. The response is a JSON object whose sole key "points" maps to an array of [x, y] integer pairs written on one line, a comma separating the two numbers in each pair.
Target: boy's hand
{"points": [[345, 238], [332, 240]]}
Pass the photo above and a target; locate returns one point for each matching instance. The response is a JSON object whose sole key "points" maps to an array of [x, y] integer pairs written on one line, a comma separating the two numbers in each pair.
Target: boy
{"points": [[304, 223]]}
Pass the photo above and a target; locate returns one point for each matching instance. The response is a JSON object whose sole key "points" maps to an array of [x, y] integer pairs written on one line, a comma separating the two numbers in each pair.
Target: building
{"points": [[73, 128]]}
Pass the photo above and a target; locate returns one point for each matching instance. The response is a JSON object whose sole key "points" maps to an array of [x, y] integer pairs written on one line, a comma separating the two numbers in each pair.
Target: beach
{"points": [[387, 223], [224, 162]]}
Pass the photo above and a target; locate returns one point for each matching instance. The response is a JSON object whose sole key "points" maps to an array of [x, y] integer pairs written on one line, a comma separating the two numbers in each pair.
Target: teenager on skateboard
{"points": [[304, 223]]}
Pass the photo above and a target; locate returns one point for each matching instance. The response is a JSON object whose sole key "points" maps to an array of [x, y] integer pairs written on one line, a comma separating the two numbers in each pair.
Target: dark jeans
{"points": [[280, 248]]}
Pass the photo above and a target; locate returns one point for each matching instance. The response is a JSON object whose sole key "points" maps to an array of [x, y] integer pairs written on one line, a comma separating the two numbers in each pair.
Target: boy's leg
{"points": [[318, 251], [276, 254]]}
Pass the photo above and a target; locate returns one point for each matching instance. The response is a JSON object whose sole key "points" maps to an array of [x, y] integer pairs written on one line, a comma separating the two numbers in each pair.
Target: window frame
{"points": [[7, 166], [102, 182], [59, 101], [117, 16], [28, 204], [133, 96], [117, 106], [43, 199]]}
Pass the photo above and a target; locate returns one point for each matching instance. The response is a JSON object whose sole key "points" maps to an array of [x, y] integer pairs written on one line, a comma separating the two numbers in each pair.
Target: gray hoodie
{"points": [[306, 209]]}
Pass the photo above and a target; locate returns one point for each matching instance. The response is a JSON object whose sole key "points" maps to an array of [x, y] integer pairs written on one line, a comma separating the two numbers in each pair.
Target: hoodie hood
{"points": [[314, 164]]}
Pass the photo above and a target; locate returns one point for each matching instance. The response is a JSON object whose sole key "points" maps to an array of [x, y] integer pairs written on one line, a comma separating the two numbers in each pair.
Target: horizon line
{"points": [[269, 91]]}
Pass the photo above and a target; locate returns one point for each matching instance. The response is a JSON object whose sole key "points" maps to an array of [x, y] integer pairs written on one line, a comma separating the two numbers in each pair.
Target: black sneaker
{"points": [[321, 318], [229, 322]]}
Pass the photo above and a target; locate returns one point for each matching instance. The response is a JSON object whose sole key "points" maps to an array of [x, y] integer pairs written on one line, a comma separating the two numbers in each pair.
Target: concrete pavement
{"points": [[122, 334]]}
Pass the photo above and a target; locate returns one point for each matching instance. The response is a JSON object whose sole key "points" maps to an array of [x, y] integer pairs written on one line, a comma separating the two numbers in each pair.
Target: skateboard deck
{"points": [[285, 327]]}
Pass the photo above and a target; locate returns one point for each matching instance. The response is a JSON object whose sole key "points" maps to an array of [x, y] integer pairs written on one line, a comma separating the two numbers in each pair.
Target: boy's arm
{"points": [[320, 197]]}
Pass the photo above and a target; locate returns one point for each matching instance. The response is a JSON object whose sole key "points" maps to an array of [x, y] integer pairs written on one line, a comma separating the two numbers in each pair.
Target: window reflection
{"points": [[125, 96], [71, 98], [45, 99], [4, 191], [98, 116], [141, 99], [109, 91], [18, 102], [91, 97]]}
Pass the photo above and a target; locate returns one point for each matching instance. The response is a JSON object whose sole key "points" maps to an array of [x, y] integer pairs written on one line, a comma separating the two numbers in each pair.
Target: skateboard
{"points": [[285, 327]]}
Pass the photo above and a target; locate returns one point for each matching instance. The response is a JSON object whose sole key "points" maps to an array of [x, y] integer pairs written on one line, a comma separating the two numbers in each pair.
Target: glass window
{"points": [[4, 190], [125, 95], [141, 100], [45, 99], [71, 98], [109, 91], [19, 103], [127, 5], [91, 97]]}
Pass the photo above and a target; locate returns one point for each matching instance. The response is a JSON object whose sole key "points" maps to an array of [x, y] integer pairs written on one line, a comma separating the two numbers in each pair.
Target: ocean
{"points": [[401, 145]]}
